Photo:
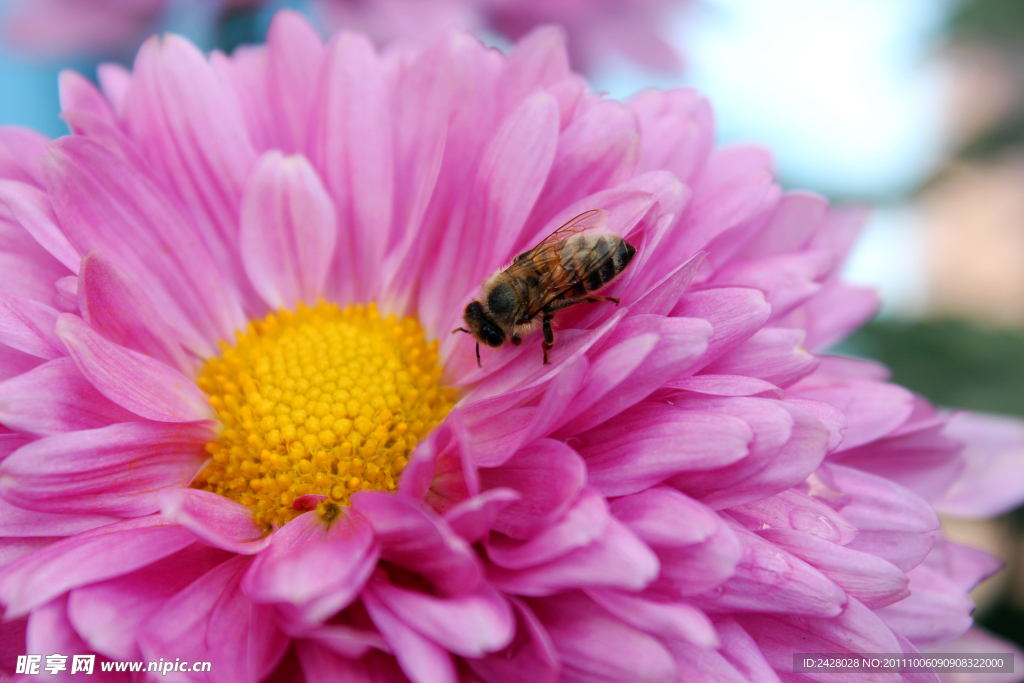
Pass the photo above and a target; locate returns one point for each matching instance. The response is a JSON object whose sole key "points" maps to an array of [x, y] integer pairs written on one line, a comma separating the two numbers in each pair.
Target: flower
{"points": [[628, 27], [238, 429], [54, 28]]}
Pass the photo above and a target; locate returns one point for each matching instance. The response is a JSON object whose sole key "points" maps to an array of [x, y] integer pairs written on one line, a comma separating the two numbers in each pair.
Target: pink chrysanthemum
{"points": [[197, 465], [595, 27]]}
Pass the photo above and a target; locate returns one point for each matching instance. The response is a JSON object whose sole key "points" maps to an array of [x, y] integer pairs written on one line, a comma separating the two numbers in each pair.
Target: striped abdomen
{"points": [[592, 261]]}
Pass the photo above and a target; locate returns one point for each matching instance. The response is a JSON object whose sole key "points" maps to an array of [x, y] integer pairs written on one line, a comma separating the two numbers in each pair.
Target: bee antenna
{"points": [[461, 329], [478, 363]]}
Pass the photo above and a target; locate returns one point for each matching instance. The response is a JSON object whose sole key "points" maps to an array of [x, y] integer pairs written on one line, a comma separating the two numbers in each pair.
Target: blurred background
{"points": [[913, 106]]}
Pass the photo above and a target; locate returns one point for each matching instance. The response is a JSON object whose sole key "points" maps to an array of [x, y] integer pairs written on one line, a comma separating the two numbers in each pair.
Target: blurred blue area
{"points": [[28, 86]]}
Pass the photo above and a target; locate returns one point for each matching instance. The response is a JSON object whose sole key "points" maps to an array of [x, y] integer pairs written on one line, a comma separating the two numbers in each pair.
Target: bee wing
{"points": [[550, 287], [595, 219]]}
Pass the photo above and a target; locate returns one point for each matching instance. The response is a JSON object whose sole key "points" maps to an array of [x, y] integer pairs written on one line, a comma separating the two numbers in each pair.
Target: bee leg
{"points": [[478, 363], [517, 340], [597, 299], [549, 336]]}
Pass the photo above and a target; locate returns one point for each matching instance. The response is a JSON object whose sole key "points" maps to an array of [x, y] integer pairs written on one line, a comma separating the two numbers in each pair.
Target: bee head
{"points": [[482, 327]]}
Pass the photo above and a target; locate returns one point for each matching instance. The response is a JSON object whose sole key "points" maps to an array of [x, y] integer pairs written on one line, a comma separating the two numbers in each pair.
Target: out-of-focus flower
{"points": [[54, 28], [198, 465], [595, 28], [631, 28]]}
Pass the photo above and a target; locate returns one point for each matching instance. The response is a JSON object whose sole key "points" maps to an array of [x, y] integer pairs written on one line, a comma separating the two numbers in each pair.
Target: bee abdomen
{"points": [[622, 253]]}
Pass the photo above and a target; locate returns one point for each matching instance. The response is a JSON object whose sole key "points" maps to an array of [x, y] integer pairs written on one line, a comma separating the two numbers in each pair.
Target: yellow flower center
{"points": [[319, 401]]}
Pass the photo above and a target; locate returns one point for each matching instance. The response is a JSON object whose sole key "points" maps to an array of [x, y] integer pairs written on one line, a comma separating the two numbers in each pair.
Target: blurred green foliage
{"points": [[953, 363], [999, 21]]}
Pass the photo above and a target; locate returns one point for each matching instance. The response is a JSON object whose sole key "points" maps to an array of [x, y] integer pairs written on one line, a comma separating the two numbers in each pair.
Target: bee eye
{"points": [[493, 336]]}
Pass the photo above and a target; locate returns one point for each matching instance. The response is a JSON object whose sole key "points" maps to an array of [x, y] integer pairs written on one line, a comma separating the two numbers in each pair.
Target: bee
{"points": [[563, 270]]}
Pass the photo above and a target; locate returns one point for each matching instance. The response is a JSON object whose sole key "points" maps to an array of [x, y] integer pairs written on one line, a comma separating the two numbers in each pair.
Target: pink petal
{"points": [[539, 59], [935, 612], [139, 383], [12, 549], [473, 518], [653, 442], [662, 516], [26, 269], [857, 630], [663, 295], [599, 149], [49, 631], [312, 570], [211, 620], [467, 625], [743, 653], [870, 579], [529, 658], [20, 149], [925, 459], [617, 559], [677, 129], [116, 308], [992, 482], [89, 557], [696, 548], [606, 648], [12, 643], [420, 542], [892, 522], [79, 96], [294, 55], [17, 522], [320, 664], [582, 524], [772, 354], [117, 470], [667, 620], [736, 182], [217, 520], [32, 209], [872, 409], [348, 641], [793, 223], [725, 385], [288, 230], [798, 511], [55, 398], [978, 640], [548, 475], [421, 660], [966, 566], [629, 371], [194, 137], [512, 172], [350, 146], [14, 363], [110, 203], [28, 326], [833, 313], [424, 100], [114, 80], [770, 580], [789, 444], [108, 614], [788, 280], [734, 313]]}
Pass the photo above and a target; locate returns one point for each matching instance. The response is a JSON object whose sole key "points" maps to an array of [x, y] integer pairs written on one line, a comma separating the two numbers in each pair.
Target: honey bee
{"points": [[563, 270]]}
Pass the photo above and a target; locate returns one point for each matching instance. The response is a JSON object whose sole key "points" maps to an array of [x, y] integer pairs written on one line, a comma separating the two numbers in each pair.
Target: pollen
{"points": [[319, 401]]}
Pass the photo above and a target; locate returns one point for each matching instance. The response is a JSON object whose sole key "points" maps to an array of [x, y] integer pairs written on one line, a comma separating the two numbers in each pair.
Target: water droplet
{"points": [[810, 521]]}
